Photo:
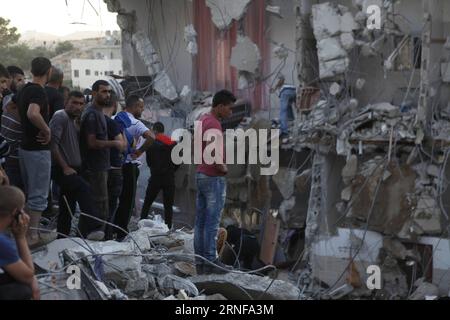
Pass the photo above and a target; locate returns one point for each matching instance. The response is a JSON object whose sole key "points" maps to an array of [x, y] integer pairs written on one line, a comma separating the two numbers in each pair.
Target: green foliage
{"points": [[63, 47], [8, 35], [18, 54]]}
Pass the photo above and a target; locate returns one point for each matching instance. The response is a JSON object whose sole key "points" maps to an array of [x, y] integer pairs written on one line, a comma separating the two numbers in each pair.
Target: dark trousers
{"points": [[98, 181], [12, 169], [115, 186], [166, 183], [75, 190], [12, 290], [126, 201]]}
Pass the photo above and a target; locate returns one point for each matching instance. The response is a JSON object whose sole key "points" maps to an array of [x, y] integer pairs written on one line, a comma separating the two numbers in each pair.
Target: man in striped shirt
{"points": [[11, 131]]}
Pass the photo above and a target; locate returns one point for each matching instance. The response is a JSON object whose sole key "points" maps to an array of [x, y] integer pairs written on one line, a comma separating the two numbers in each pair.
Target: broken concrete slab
{"points": [[346, 193], [275, 10], [224, 12], [171, 282], [326, 20], [333, 68], [424, 291], [165, 87], [284, 180], [245, 56], [350, 169], [190, 37], [285, 207], [330, 49], [232, 287], [49, 257]]}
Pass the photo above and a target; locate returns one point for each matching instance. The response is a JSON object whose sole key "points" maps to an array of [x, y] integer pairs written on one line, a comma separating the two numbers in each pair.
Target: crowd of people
{"points": [[90, 153]]}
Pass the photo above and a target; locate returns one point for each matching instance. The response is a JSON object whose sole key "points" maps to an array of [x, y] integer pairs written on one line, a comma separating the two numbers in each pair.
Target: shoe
{"points": [[217, 268], [96, 236]]}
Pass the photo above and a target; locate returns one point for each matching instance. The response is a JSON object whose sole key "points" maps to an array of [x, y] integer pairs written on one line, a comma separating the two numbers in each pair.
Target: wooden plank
{"points": [[270, 238]]}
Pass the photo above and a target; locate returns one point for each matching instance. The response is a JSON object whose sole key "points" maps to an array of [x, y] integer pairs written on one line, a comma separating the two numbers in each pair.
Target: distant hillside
{"points": [[34, 38]]}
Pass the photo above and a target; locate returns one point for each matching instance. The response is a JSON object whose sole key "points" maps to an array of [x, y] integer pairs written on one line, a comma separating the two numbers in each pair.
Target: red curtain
{"points": [[212, 64]]}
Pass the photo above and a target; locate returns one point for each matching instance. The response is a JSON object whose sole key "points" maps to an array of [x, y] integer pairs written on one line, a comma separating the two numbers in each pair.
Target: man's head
{"points": [[75, 104], [101, 93], [18, 78], [223, 101], [4, 79], [56, 78], [12, 202], [135, 105], [65, 92], [41, 68], [111, 109], [158, 128]]}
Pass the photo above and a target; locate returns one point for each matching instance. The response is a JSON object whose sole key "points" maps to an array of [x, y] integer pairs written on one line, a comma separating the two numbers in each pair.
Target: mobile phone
{"points": [[18, 216]]}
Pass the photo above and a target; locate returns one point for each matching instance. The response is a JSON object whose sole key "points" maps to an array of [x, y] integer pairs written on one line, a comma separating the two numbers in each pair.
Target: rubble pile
{"points": [[151, 263]]}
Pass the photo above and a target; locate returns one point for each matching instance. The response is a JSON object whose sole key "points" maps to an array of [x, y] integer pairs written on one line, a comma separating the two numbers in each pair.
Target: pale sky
{"points": [[54, 17]]}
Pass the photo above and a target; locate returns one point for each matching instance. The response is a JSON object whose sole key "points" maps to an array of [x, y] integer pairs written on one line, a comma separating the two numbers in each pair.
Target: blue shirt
{"points": [[8, 251]]}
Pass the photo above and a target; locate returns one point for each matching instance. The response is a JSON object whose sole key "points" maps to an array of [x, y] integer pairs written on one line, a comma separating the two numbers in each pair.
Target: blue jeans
{"points": [[287, 98], [211, 193], [35, 167]]}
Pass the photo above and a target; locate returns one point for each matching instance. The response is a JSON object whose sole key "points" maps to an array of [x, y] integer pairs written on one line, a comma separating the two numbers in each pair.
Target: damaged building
{"points": [[363, 179]]}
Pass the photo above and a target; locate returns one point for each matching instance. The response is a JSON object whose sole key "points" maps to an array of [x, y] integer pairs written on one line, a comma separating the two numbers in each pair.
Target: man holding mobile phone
{"points": [[17, 279]]}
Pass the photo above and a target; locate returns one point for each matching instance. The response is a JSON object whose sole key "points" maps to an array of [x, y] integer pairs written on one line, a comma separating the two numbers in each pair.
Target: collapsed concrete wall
{"points": [[390, 185]]}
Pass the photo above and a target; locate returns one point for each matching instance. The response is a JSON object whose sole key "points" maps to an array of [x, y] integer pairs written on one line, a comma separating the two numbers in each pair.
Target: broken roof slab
{"points": [[224, 11]]}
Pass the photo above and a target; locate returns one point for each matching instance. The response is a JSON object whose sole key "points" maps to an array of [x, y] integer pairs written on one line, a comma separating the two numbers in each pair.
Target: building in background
{"points": [[86, 71]]}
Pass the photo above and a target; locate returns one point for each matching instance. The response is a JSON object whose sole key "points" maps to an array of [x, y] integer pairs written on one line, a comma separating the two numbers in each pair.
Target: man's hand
{"points": [[4, 180], [223, 168], [36, 292], [68, 171], [118, 145], [20, 228], [137, 154], [44, 137]]}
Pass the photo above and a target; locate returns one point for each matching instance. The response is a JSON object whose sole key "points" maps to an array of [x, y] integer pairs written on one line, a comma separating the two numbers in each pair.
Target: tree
{"points": [[8, 35], [63, 47]]}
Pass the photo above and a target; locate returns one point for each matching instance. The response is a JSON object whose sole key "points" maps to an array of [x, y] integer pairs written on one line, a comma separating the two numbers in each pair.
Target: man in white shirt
{"points": [[134, 129]]}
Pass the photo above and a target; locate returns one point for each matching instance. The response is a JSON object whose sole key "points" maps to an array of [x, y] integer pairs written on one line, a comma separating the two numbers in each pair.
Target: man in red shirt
{"points": [[211, 185]]}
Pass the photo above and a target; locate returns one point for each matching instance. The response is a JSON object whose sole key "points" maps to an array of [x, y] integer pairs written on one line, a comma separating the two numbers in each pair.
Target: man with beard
{"points": [[11, 128], [66, 169], [95, 150], [17, 82]]}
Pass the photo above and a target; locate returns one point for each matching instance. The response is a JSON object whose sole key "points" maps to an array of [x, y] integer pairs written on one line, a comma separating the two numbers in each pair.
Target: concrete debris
{"points": [[285, 180], [165, 87], [346, 194], [424, 291], [350, 169], [276, 10], [190, 37], [302, 181], [341, 292], [257, 287], [281, 52], [360, 83], [394, 285], [245, 56], [333, 26], [170, 283], [335, 89], [150, 57], [224, 12], [285, 207]]}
